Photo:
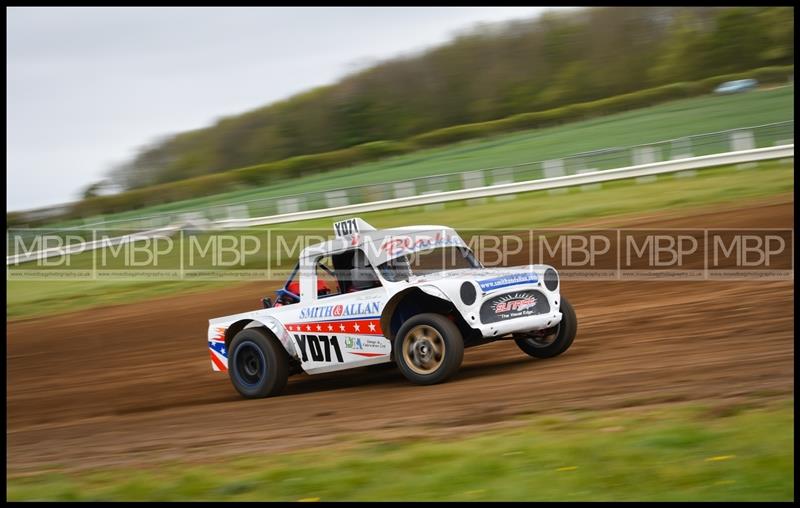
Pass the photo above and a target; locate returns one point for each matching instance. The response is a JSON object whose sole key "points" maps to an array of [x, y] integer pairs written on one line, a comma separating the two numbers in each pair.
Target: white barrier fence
{"points": [[504, 189], [652, 169]]}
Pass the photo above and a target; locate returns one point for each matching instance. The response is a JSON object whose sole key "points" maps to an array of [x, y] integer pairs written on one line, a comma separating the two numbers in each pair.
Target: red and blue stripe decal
{"points": [[360, 326]]}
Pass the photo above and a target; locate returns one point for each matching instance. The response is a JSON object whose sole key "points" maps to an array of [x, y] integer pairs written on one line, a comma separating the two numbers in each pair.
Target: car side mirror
{"points": [[266, 302]]}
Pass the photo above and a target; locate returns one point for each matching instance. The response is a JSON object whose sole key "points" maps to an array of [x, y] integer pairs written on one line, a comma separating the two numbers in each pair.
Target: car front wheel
{"points": [[428, 349], [553, 341]]}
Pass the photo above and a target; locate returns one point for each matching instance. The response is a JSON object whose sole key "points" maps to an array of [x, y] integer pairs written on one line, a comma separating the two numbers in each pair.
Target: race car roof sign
{"points": [[350, 226]]}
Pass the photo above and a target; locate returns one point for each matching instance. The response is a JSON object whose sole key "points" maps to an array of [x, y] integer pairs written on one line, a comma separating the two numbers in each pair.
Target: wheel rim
{"points": [[423, 349], [249, 363], [543, 341]]}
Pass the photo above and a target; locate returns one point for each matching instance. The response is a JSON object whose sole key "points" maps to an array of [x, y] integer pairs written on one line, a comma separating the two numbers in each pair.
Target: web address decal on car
{"points": [[507, 280]]}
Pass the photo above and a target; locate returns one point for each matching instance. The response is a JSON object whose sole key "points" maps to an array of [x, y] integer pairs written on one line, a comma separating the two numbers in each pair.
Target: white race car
{"points": [[372, 296]]}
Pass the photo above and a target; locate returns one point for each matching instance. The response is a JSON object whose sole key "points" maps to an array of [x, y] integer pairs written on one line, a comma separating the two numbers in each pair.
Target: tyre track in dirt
{"points": [[132, 384]]}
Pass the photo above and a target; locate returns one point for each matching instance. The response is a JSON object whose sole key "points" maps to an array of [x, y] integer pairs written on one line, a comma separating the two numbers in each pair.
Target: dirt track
{"points": [[132, 383]]}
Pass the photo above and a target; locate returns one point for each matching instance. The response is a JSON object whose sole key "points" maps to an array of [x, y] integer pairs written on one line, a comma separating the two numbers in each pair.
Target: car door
{"points": [[340, 327]]}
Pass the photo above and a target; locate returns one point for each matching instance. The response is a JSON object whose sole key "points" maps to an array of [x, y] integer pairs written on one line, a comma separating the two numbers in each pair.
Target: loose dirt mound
{"points": [[132, 383]]}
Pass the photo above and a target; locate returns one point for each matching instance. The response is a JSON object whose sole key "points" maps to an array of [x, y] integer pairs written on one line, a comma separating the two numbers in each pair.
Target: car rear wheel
{"points": [[258, 366], [553, 341], [428, 349]]}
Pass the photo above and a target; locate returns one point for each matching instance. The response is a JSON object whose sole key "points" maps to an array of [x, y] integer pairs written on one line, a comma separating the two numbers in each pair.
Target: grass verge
{"points": [[667, 453]]}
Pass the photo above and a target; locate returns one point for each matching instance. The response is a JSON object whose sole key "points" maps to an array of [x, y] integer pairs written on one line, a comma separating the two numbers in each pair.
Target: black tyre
{"points": [[257, 364], [428, 349], [558, 340]]}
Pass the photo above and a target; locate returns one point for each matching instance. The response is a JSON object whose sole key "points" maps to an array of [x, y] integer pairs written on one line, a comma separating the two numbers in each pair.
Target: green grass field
{"points": [[648, 125], [30, 298], [669, 453]]}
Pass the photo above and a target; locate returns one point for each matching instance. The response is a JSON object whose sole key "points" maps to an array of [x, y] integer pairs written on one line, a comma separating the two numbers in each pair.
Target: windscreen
{"points": [[427, 261]]}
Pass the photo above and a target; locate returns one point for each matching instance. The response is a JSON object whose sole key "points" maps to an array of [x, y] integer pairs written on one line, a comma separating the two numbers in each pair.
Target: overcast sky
{"points": [[87, 87]]}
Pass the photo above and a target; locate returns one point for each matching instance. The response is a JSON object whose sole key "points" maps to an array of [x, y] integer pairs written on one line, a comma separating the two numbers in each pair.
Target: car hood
{"points": [[488, 279]]}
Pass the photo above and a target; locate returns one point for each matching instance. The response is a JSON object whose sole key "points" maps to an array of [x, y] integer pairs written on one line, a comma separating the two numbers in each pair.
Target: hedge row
{"points": [[294, 167], [601, 107], [777, 74], [261, 174], [302, 165]]}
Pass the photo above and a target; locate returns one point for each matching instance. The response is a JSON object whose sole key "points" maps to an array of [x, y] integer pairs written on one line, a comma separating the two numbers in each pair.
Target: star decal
{"points": [[341, 327], [356, 327], [308, 328], [371, 326], [330, 328], [319, 327]]}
